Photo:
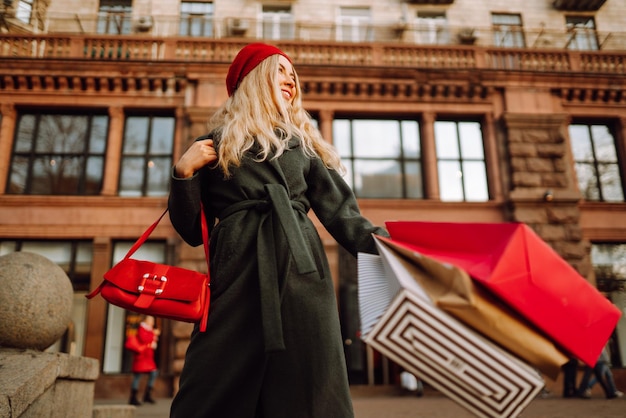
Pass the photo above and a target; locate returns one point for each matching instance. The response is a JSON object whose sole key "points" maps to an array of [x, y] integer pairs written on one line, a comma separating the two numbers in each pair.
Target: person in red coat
{"points": [[143, 345]]}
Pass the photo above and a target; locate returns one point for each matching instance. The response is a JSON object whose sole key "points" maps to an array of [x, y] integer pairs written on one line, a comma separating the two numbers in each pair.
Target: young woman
{"points": [[273, 345]]}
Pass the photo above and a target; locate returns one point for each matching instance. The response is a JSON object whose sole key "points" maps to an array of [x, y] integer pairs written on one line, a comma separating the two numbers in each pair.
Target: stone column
{"points": [[326, 124], [543, 190], [114, 151], [7, 131], [429, 157]]}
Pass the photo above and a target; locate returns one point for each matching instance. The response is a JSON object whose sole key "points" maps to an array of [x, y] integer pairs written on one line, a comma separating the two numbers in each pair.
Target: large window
{"points": [[24, 10], [58, 154], [596, 162], [507, 30], [119, 321], [461, 161], [75, 258], [115, 17], [354, 24], [582, 33], [432, 28], [382, 157], [146, 156], [278, 22], [609, 264], [196, 18]]}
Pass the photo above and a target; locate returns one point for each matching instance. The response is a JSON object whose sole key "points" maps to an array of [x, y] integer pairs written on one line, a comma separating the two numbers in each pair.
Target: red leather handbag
{"points": [[156, 289]]}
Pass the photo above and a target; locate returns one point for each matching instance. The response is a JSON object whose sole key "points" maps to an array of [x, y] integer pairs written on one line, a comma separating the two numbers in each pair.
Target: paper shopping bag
{"points": [[451, 289], [515, 264], [402, 324]]}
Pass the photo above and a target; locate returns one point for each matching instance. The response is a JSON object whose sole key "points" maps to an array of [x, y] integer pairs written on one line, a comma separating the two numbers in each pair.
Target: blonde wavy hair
{"points": [[257, 114]]}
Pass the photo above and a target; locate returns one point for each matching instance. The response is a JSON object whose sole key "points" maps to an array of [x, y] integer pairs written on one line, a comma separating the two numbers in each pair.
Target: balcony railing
{"points": [[399, 31], [141, 48]]}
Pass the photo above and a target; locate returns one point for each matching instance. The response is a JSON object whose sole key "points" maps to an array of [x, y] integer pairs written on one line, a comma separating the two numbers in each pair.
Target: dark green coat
{"points": [[273, 345]]}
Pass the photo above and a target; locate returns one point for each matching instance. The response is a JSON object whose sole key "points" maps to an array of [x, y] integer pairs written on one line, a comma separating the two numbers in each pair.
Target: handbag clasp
{"points": [[153, 277]]}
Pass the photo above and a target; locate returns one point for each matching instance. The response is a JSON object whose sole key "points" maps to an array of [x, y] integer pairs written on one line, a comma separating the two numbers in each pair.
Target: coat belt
{"points": [[278, 203]]}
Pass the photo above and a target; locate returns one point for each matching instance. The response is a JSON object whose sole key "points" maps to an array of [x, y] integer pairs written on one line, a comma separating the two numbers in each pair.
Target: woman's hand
{"points": [[199, 154]]}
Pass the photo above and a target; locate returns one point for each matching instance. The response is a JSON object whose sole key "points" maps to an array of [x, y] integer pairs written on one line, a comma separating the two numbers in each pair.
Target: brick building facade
{"points": [[450, 110]]}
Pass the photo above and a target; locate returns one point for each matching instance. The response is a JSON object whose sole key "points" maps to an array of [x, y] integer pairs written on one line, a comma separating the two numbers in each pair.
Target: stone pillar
{"points": [[326, 124], [429, 156], [8, 116], [97, 307], [36, 307], [114, 151], [543, 189]]}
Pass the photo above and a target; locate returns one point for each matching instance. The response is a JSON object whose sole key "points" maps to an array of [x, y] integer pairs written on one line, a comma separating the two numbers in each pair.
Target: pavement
{"points": [[435, 405]]}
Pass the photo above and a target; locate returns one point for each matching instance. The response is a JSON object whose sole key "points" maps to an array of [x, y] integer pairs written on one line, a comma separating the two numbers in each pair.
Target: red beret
{"points": [[246, 60]]}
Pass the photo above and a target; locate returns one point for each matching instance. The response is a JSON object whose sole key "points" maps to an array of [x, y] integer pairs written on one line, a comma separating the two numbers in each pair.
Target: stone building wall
{"points": [[543, 192]]}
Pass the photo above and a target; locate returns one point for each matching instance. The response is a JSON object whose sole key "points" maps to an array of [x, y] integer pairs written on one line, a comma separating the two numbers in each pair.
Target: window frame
{"points": [[147, 156], [277, 22], [352, 26], [115, 17], [431, 28], [400, 159], [619, 160], [203, 20], [508, 35], [580, 32], [465, 185], [33, 155]]}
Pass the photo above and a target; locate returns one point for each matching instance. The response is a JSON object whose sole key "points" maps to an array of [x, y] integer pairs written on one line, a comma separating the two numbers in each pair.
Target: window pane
{"points": [[98, 137], [376, 138], [611, 183], [7, 247], [603, 143], [149, 251], [475, 181], [587, 181], [413, 176], [158, 176], [581, 142], [341, 136], [131, 178], [609, 261], [596, 162], [56, 175], [62, 134], [471, 140], [19, 174], [162, 135], [58, 252], [136, 135], [349, 176], [450, 176], [25, 133], [93, 178], [446, 140], [506, 19], [411, 139], [146, 164], [378, 179]]}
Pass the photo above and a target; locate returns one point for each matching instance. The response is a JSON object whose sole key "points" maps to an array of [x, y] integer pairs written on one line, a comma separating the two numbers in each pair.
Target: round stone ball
{"points": [[35, 301]]}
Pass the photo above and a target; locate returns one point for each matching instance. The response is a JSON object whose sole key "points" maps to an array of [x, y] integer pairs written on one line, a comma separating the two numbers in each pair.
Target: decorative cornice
{"points": [[167, 85]]}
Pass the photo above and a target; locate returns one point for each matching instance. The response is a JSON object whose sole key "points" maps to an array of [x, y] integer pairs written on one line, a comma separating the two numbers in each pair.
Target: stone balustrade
{"points": [[177, 49]]}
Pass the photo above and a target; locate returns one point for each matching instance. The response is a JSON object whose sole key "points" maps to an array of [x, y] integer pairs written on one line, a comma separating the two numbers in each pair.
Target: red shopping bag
{"points": [[526, 273]]}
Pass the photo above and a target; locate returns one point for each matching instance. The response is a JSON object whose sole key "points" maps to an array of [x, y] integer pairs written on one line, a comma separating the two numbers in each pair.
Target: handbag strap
{"points": [[151, 228]]}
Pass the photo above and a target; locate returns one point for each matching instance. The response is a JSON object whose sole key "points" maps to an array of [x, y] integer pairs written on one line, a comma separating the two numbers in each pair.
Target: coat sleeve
{"points": [[184, 208], [336, 207]]}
